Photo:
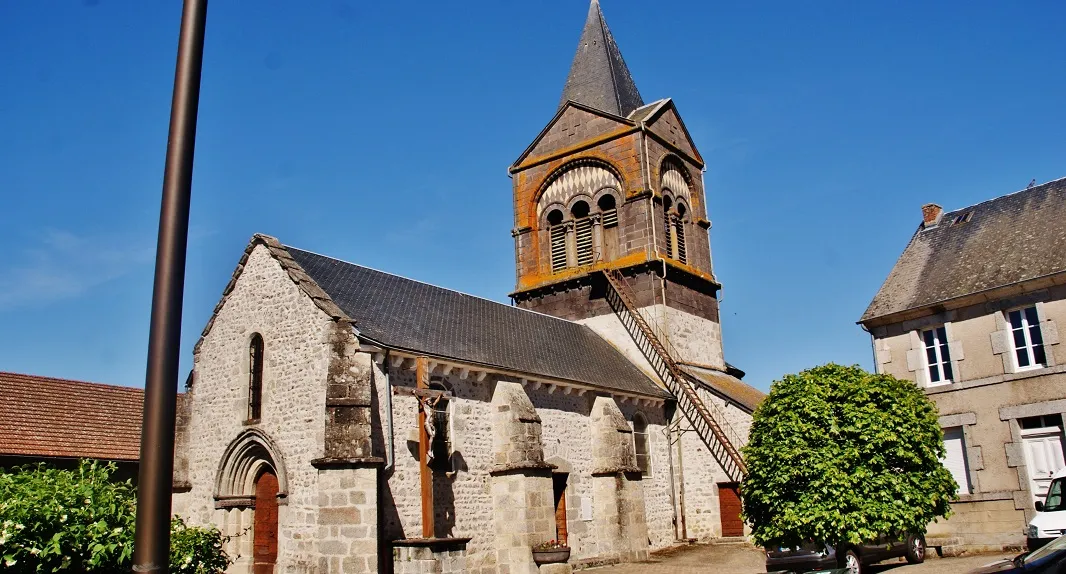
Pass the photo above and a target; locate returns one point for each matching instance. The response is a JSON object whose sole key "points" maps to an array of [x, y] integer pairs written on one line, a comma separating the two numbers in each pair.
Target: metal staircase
{"points": [[706, 419]]}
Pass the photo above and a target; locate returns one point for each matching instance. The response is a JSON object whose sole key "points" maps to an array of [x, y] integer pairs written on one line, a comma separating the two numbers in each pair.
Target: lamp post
{"points": [[151, 551]]}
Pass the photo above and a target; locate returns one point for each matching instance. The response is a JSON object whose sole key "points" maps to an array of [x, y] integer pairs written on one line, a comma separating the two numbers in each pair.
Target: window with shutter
{"points": [[668, 229], [955, 458], [558, 247], [679, 234], [583, 239]]}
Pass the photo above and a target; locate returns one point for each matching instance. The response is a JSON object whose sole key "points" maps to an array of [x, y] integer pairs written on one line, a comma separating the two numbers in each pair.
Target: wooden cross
{"points": [[422, 378]]}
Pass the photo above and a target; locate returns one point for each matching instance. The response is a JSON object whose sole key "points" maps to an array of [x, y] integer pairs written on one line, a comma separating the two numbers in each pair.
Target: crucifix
{"points": [[424, 446]]}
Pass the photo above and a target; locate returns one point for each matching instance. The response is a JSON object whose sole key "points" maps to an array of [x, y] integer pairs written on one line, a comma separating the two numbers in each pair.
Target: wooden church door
{"points": [[729, 505], [265, 528]]}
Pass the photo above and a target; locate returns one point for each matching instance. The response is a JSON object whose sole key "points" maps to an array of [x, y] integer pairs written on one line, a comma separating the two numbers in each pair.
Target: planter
{"points": [[553, 556]]}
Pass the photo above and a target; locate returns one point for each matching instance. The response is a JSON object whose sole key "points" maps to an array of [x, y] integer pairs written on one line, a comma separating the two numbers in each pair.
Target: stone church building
{"points": [[344, 419]]}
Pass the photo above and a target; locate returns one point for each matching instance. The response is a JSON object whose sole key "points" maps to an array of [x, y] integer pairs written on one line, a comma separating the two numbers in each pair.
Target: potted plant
{"points": [[551, 552]]}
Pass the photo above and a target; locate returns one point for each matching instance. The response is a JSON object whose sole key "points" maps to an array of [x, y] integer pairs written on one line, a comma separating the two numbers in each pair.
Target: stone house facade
{"points": [[343, 419], [971, 313]]}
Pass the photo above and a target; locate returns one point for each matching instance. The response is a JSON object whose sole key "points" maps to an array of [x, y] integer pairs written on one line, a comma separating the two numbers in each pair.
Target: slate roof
{"points": [[726, 385], [46, 417], [405, 314], [599, 77], [1007, 240]]}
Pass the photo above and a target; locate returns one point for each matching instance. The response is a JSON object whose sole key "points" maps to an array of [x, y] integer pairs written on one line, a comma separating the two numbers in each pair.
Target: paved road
{"points": [[743, 559]]}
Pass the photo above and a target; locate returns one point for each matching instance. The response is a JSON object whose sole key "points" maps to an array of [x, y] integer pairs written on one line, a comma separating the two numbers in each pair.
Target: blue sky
{"points": [[380, 133]]}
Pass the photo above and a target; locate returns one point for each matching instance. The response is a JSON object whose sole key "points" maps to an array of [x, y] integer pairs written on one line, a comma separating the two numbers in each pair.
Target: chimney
{"points": [[931, 213]]}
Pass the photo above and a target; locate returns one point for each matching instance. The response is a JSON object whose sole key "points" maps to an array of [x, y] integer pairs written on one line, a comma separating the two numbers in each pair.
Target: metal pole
{"points": [[152, 541]]}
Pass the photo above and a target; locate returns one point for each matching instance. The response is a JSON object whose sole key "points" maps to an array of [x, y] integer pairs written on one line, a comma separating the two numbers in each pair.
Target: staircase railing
{"points": [[706, 418]]}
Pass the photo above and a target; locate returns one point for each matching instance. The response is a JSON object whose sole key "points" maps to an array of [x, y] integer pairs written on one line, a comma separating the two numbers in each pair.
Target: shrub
{"points": [[82, 521], [837, 455]]}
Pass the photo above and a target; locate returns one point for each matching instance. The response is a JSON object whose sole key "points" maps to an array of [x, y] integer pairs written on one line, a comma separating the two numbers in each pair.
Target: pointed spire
{"points": [[599, 76]]}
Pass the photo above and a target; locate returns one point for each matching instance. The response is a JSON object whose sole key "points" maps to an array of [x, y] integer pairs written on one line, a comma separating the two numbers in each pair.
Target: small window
{"points": [[255, 377], [962, 218], [441, 442], [1028, 342], [937, 356], [640, 444], [1043, 422], [955, 458]]}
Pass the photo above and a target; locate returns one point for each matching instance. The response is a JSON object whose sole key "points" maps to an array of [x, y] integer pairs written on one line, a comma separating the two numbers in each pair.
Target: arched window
{"points": [[557, 233], [582, 233], [668, 227], [609, 221], [640, 444], [255, 377], [679, 234]]}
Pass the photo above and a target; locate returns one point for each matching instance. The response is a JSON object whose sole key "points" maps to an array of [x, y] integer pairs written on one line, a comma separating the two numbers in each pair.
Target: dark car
{"points": [[816, 556], [1048, 559]]}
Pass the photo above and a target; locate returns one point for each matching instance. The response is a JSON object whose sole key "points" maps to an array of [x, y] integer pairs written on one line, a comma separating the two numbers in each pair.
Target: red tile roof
{"points": [[42, 416]]}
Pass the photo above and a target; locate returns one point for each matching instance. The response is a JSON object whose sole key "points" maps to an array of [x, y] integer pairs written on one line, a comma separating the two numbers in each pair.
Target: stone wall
{"points": [[296, 333], [465, 496]]}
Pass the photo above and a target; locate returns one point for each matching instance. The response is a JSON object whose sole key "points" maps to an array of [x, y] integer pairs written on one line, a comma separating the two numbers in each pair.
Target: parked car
{"points": [[1048, 559], [852, 558], [1050, 520]]}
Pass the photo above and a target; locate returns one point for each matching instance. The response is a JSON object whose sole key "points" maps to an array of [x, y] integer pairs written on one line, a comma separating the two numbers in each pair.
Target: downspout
{"points": [[390, 451], [670, 462], [681, 480], [873, 349]]}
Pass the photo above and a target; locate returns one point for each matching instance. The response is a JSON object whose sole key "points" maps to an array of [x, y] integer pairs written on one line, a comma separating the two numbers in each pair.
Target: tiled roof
{"points": [[599, 76], [1007, 240], [405, 314], [46, 417], [726, 386]]}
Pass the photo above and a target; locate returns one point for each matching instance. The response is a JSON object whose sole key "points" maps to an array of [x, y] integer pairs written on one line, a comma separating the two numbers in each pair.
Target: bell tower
{"points": [[612, 182]]}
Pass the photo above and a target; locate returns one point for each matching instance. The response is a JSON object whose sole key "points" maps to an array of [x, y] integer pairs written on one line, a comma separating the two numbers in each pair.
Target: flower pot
{"points": [[553, 556]]}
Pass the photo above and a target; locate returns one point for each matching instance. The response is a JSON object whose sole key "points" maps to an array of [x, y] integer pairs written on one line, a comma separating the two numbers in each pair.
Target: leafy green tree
{"points": [[80, 520], [837, 454]]}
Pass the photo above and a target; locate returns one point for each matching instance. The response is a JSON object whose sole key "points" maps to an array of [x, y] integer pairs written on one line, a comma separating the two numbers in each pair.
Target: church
{"points": [[344, 419]]}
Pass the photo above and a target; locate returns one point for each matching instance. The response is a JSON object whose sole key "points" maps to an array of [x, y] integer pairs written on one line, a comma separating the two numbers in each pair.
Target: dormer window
{"points": [[255, 377]]}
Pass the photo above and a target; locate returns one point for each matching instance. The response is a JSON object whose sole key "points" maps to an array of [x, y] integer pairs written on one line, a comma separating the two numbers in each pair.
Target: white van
{"points": [[1050, 520]]}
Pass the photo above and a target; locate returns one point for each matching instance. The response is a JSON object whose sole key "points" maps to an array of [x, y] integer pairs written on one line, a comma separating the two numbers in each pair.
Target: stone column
{"points": [[521, 481], [617, 490], [599, 254]]}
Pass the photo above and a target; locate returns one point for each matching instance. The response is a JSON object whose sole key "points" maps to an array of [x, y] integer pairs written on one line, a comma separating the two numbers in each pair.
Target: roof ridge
{"points": [[428, 284], [5, 374], [1005, 195]]}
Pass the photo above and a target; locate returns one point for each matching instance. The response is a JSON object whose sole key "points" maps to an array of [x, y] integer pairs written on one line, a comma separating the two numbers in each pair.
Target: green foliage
{"points": [[195, 550], [838, 455], [80, 520]]}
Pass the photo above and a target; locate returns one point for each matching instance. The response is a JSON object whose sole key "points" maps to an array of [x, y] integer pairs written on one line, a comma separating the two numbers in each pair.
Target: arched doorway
{"points": [[265, 527]]}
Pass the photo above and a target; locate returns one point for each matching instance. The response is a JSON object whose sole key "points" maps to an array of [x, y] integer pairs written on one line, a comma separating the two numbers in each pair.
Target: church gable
{"points": [[573, 126], [666, 125]]}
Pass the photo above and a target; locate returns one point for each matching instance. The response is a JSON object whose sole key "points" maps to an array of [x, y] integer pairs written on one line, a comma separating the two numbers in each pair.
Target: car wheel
{"points": [[915, 549], [851, 562]]}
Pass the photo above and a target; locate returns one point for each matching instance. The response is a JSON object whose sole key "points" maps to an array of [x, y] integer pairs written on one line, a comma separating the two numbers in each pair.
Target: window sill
{"points": [[995, 379], [250, 422]]}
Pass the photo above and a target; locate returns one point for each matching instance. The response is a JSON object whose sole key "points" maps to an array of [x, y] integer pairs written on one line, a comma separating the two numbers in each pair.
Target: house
{"points": [[58, 422], [344, 419], [970, 313]]}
